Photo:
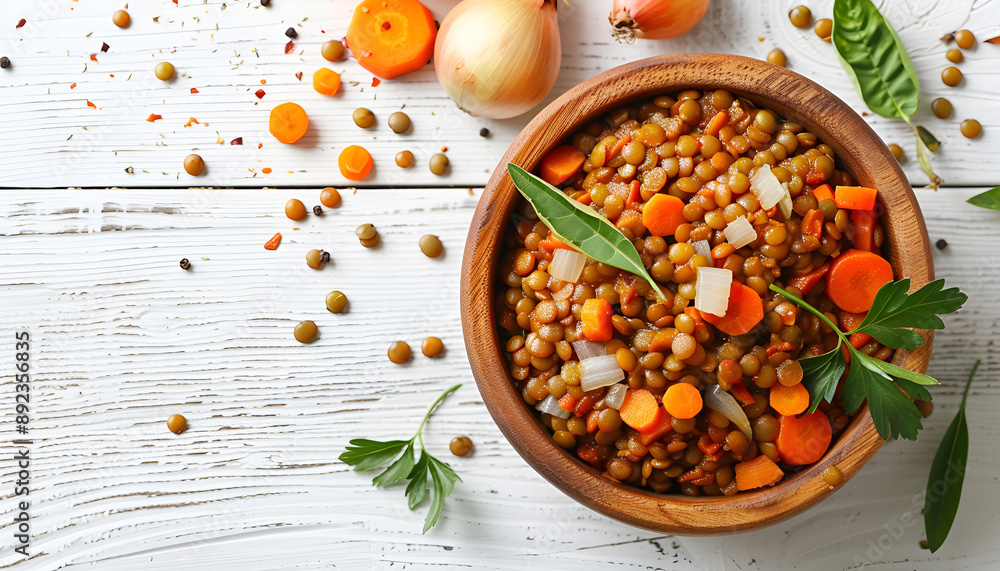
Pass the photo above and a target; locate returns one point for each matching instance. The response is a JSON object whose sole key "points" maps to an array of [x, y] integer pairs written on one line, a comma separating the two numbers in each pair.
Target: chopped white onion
{"points": [[550, 405], [740, 232], [586, 349], [785, 204], [702, 247], [766, 187], [567, 265], [724, 403], [615, 396], [597, 372], [711, 290]]}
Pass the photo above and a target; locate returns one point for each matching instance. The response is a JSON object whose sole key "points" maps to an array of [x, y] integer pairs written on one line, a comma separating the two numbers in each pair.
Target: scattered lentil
{"points": [[316, 259], [897, 151], [121, 19], [306, 332], [970, 128], [363, 118], [368, 235], [404, 159], [194, 164], [336, 301], [333, 50], [330, 197], [941, 107], [431, 347], [431, 245], [164, 71], [399, 122], [833, 476], [823, 29], [954, 55], [965, 39], [951, 76], [399, 352], [177, 423], [800, 16], [777, 57], [439, 164], [460, 445], [295, 210]]}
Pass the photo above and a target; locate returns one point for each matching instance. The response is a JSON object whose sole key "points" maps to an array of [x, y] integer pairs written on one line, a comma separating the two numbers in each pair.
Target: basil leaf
{"points": [[821, 374], [400, 469], [944, 483], [928, 138], [989, 199], [366, 454], [875, 59], [579, 226]]}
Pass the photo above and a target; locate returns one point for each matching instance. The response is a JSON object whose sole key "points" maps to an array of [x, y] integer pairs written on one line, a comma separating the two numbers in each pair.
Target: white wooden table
{"points": [[121, 337]]}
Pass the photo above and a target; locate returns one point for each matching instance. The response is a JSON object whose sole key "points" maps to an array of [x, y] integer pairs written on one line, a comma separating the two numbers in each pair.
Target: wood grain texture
{"points": [[791, 96], [225, 48]]}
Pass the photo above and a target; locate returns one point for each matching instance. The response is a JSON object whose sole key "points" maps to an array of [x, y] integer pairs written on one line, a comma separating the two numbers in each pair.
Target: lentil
{"points": [[306, 332], [833, 476], [941, 107], [404, 159], [363, 118], [176, 423], [777, 57], [970, 128], [431, 246], [194, 165], [399, 122], [333, 50], [460, 445], [164, 71], [800, 16], [484, 132], [291, 33], [121, 18], [954, 56], [439, 164], [295, 210], [951, 76], [316, 259], [336, 302], [823, 29], [896, 151], [431, 347], [965, 39], [399, 352], [330, 197]]}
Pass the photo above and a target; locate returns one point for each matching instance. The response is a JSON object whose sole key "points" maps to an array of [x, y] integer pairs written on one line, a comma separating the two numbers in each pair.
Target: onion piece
{"points": [[740, 232], [597, 372], [567, 265], [785, 204], [724, 403], [711, 290], [766, 187], [615, 396], [702, 247], [550, 405], [586, 349]]}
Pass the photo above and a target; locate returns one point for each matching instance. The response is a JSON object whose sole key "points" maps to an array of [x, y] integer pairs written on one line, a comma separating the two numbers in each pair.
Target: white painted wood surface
{"points": [[122, 337], [225, 48]]}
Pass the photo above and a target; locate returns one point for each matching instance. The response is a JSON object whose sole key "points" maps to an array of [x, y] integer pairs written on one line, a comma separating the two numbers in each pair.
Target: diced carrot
{"points": [[288, 122], [584, 405], [663, 340], [757, 473], [355, 162], [806, 283], [692, 474], [272, 244], [803, 439], [850, 321], [812, 223], [662, 214], [633, 193], [742, 394], [682, 400], [153, 117], [596, 319], [560, 164], [822, 192], [640, 410], [550, 244], [592, 425], [589, 453], [855, 197], [744, 312], [326, 81], [789, 400], [864, 229], [392, 38], [717, 123], [619, 145], [707, 445], [855, 277], [568, 402], [585, 198], [859, 340], [663, 427]]}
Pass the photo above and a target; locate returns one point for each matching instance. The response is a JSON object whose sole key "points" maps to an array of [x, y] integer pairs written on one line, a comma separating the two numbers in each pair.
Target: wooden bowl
{"points": [[793, 96]]}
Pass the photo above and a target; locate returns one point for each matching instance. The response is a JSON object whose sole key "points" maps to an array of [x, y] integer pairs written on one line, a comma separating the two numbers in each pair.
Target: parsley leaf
{"points": [[894, 313], [366, 454], [821, 375]]}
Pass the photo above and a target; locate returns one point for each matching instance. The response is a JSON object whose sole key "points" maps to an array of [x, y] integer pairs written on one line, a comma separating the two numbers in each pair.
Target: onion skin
{"points": [[655, 19], [498, 58]]}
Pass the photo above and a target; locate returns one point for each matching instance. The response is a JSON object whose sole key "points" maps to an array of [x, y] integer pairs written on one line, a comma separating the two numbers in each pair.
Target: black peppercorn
{"points": [[185, 264], [265, 2], [318, 210], [484, 132], [4, 62], [324, 257], [291, 33], [941, 244]]}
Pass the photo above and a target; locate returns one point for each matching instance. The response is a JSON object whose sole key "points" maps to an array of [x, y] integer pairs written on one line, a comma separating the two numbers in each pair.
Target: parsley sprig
{"points": [[366, 454], [891, 320]]}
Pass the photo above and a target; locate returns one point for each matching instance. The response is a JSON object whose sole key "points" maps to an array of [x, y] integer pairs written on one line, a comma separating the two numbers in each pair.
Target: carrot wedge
{"points": [[855, 197], [560, 164], [757, 473]]}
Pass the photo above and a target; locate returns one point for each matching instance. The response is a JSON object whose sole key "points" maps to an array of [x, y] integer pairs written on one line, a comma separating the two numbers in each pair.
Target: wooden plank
{"points": [[123, 338], [225, 49]]}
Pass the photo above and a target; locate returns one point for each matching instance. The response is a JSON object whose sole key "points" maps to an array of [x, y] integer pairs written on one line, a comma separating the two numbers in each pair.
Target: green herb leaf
{"points": [[894, 311], [579, 226], [928, 138], [875, 59], [821, 375], [444, 479], [366, 454], [944, 483], [416, 490], [399, 470], [989, 199], [892, 411]]}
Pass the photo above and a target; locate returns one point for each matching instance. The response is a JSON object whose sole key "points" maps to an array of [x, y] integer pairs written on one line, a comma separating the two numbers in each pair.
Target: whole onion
{"points": [[655, 19], [498, 58]]}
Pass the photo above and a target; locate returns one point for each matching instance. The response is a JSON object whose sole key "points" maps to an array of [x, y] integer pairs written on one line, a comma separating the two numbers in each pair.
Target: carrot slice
{"points": [[744, 312], [855, 197], [854, 279], [550, 244], [682, 401], [789, 400], [864, 229], [804, 439], [717, 123], [560, 164], [326, 81], [812, 223], [633, 193], [640, 410], [858, 340], [568, 402], [822, 192], [592, 423], [619, 145], [288, 122], [807, 282], [757, 473], [392, 37], [662, 214], [742, 394], [596, 319], [355, 162], [662, 428]]}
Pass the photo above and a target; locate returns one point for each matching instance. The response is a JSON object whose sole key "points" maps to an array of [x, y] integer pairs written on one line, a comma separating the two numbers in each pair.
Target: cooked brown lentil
{"points": [[833, 476], [336, 301], [368, 235], [896, 151], [970, 128], [333, 50], [800, 16], [306, 332], [439, 164], [363, 118], [941, 107], [965, 39], [399, 122], [194, 165], [460, 445], [121, 18], [330, 197], [316, 259], [164, 71], [399, 352], [431, 347], [404, 159], [777, 57], [954, 55], [951, 76], [295, 210], [176, 423], [823, 29], [431, 245]]}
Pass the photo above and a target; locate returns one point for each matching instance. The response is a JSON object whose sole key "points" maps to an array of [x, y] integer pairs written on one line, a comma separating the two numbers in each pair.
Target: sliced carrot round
{"points": [[854, 279], [289, 122], [803, 439], [682, 401], [355, 162], [326, 81], [789, 401], [662, 214], [392, 37], [744, 312], [640, 410]]}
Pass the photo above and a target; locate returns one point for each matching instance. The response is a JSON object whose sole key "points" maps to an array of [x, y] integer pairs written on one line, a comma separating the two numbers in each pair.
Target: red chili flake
{"points": [[376, 81], [272, 244], [236, 141], [289, 47], [260, 94], [154, 117], [89, 104], [263, 82], [386, 25], [266, 170], [191, 121], [73, 86], [93, 57], [194, 90], [260, 145], [175, 1], [112, 75], [105, 47], [298, 76], [21, 23]]}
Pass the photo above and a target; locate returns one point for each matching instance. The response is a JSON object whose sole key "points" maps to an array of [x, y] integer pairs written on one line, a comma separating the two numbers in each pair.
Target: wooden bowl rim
{"points": [[836, 124]]}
